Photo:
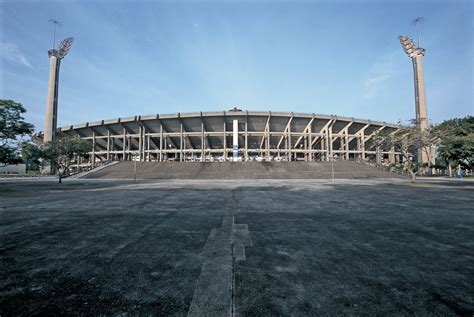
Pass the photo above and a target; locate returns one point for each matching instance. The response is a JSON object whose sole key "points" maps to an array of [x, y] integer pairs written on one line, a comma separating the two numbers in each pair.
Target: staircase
{"points": [[240, 170]]}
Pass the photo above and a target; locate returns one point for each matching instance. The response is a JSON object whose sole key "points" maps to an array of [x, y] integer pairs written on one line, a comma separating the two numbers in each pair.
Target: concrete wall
{"points": [[13, 169]]}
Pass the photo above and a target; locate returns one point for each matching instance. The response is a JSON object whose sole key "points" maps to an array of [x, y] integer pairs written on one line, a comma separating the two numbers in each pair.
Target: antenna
{"points": [[417, 22], [56, 23]]}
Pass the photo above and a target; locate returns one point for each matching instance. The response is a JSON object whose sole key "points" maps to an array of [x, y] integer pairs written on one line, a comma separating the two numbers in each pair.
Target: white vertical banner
{"points": [[235, 138]]}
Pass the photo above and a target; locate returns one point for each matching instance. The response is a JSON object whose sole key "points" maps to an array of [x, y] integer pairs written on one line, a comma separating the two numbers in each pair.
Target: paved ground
{"points": [[236, 248]]}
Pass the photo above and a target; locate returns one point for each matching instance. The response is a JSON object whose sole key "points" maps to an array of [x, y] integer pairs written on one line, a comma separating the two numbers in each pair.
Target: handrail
{"points": [[87, 168]]}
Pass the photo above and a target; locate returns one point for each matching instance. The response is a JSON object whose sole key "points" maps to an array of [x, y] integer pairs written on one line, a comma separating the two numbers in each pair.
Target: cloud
{"points": [[12, 54], [380, 73]]}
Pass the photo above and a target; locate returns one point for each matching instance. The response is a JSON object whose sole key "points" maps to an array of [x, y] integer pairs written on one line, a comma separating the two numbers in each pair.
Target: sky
{"points": [[325, 57]]}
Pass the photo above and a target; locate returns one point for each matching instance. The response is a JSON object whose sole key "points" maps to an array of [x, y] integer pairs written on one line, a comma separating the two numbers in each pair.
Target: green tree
{"points": [[31, 155], [60, 152], [455, 127], [408, 140], [13, 128], [456, 144]]}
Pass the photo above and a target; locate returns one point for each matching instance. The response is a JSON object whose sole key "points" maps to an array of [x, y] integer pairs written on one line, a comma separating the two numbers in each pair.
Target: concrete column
{"points": [[140, 142], [165, 146], [148, 148], [225, 142], [359, 156], [161, 143], [185, 145], [378, 155], [346, 143], [330, 153], [420, 103], [326, 137], [341, 144], [391, 155], [267, 145], [181, 142], [246, 140], [124, 144], [50, 123], [143, 139], [323, 147], [112, 147], [289, 143], [108, 145], [235, 140], [362, 144], [420, 97], [93, 148], [310, 134], [305, 142], [203, 156]]}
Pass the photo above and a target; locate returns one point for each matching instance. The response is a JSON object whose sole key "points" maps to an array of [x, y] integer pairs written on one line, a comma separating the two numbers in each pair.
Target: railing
{"points": [[81, 169]]}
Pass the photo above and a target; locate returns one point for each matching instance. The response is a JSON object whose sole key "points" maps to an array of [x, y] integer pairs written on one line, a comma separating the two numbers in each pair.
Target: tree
{"points": [[60, 152], [456, 127], [454, 139], [457, 141], [31, 155], [13, 128], [407, 140]]}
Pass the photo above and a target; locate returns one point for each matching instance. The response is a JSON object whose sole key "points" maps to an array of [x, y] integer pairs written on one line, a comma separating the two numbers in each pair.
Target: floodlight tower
{"points": [[416, 54], [51, 117]]}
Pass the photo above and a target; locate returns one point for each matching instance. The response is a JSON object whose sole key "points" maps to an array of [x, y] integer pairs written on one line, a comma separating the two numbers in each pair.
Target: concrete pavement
{"points": [[230, 247]]}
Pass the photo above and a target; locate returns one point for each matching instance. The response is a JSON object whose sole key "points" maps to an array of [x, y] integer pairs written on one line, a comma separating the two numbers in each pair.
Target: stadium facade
{"points": [[233, 135]]}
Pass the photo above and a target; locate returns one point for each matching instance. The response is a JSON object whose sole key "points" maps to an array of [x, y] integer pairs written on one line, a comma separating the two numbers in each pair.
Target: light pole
{"points": [[51, 117], [416, 54]]}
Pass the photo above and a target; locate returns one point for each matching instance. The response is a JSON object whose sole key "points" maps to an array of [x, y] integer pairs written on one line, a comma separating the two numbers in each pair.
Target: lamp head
{"points": [[409, 46], [64, 47]]}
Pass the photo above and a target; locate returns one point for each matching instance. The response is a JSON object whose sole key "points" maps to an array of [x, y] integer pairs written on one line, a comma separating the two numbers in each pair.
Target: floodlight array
{"points": [[64, 46], [409, 46]]}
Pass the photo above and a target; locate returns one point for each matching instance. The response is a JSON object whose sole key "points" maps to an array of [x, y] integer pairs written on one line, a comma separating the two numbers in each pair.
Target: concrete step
{"points": [[240, 170]]}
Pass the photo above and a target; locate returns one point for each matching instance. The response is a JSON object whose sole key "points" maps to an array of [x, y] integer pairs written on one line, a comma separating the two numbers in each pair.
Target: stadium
{"points": [[232, 212], [233, 135]]}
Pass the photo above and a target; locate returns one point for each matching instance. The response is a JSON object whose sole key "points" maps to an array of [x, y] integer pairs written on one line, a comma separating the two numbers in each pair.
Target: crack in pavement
{"points": [[214, 292]]}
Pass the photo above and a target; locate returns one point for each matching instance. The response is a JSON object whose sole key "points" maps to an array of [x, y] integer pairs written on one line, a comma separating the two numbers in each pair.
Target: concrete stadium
{"points": [[155, 228], [233, 135]]}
